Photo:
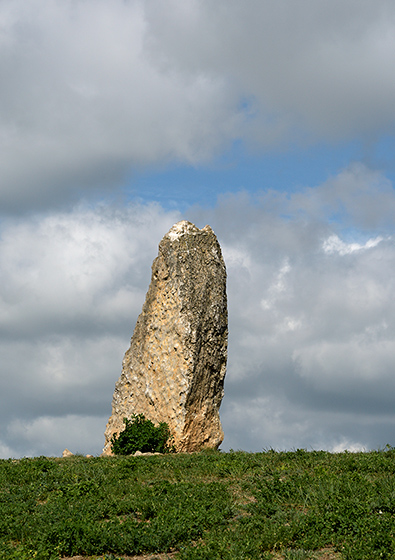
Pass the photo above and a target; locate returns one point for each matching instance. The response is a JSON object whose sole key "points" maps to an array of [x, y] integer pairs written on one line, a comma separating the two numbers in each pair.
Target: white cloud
{"points": [[335, 245], [278, 286], [346, 445]]}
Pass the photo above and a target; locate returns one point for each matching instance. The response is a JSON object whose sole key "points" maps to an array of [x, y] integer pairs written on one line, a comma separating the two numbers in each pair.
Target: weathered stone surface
{"points": [[175, 367]]}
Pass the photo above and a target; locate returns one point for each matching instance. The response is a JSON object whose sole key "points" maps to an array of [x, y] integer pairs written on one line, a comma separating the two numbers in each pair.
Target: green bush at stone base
{"points": [[140, 434]]}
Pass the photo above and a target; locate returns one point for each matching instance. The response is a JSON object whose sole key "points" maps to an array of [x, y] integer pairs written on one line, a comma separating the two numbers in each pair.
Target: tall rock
{"points": [[175, 367]]}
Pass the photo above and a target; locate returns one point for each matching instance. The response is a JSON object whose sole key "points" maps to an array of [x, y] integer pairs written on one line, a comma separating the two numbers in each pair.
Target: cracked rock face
{"points": [[175, 367]]}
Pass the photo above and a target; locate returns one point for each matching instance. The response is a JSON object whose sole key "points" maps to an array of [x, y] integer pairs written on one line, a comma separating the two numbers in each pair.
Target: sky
{"points": [[274, 122]]}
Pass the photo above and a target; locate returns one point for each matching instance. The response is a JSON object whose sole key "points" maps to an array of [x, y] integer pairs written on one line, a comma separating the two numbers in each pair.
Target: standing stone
{"points": [[175, 367]]}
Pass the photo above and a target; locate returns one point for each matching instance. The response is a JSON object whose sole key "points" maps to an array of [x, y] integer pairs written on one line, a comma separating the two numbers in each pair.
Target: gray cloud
{"points": [[311, 315], [72, 286], [48, 435], [94, 91], [325, 68], [310, 308], [73, 269], [82, 103]]}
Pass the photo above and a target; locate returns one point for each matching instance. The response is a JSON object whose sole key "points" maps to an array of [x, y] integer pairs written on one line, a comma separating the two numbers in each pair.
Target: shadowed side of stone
{"points": [[175, 367]]}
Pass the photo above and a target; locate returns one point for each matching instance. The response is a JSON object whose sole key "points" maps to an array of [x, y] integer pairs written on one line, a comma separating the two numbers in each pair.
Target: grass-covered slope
{"points": [[211, 505]]}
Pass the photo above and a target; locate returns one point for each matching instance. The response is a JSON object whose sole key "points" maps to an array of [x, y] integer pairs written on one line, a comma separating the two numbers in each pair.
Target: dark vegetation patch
{"points": [[211, 505], [140, 434]]}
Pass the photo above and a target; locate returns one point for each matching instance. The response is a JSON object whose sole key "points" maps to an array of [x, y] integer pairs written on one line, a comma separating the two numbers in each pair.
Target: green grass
{"points": [[211, 505]]}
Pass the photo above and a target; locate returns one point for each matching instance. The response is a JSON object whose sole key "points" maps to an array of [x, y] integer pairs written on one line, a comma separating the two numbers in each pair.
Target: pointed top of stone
{"points": [[185, 228]]}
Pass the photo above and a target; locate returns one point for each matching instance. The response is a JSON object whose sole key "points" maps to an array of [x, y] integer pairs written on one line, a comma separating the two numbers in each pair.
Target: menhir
{"points": [[175, 367]]}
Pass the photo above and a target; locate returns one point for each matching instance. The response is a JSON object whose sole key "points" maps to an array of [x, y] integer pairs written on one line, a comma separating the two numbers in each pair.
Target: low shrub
{"points": [[140, 434]]}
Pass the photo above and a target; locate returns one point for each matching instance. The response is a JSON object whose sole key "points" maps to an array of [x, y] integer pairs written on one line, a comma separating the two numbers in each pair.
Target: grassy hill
{"points": [[211, 505]]}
